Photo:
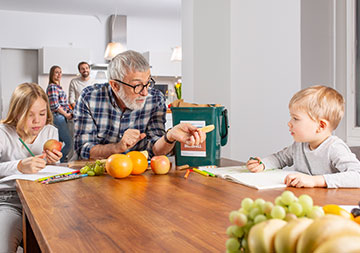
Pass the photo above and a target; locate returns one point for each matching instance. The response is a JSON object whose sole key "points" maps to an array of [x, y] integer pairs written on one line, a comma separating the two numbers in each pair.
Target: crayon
{"points": [[187, 173], [58, 175], [65, 179], [182, 167], [201, 172], [210, 174]]}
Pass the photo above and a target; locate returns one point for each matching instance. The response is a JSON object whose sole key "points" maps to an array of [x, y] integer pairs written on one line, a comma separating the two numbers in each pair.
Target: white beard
{"points": [[130, 104]]}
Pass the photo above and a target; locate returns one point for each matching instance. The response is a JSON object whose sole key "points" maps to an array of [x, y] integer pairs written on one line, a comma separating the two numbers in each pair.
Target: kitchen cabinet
{"points": [[66, 58], [161, 65]]}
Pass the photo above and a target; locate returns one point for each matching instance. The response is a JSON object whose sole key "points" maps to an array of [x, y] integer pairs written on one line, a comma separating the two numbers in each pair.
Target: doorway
{"points": [[17, 66]]}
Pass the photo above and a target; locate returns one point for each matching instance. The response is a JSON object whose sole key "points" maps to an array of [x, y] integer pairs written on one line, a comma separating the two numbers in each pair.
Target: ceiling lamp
{"points": [[113, 49]]}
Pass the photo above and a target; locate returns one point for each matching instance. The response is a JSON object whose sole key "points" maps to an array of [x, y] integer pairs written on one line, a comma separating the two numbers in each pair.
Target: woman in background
{"points": [[60, 108], [29, 118]]}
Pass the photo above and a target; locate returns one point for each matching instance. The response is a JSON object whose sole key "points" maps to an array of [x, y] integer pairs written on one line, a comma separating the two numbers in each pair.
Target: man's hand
{"points": [[186, 133], [53, 156], [302, 180], [129, 139], [255, 165], [32, 165]]}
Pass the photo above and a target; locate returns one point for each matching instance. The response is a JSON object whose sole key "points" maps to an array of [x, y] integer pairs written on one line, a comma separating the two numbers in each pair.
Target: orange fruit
{"points": [[119, 165], [357, 220], [337, 210], [139, 161]]}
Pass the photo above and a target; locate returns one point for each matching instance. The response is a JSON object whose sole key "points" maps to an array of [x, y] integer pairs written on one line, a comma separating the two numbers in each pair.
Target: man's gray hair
{"points": [[125, 62]]}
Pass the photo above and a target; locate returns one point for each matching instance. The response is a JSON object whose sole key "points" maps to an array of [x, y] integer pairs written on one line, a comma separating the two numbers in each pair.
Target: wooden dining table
{"points": [[143, 213]]}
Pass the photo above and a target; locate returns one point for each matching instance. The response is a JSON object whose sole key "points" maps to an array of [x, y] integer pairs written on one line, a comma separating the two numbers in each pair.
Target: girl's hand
{"points": [[53, 156], [32, 165], [299, 180], [255, 165]]}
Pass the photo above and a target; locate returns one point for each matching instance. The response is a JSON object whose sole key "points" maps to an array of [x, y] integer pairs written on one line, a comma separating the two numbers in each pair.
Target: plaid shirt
{"points": [[57, 98], [99, 120]]}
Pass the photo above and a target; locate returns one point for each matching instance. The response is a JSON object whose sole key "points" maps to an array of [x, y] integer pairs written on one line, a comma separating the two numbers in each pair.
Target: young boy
{"points": [[322, 159]]}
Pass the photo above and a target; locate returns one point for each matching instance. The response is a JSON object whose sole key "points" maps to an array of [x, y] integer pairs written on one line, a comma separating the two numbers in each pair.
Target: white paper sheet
{"points": [[48, 171], [268, 179]]}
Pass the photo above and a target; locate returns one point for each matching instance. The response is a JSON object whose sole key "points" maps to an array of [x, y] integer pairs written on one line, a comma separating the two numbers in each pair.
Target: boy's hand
{"points": [[255, 164], [53, 156], [32, 165], [302, 180]]}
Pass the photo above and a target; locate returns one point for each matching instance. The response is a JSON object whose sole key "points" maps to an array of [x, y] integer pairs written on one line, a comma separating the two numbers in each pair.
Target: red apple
{"points": [[160, 164], [52, 144]]}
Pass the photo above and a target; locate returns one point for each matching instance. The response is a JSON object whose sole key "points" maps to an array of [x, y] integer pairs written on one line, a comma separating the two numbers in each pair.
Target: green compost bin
{"points": [[209, 152]]}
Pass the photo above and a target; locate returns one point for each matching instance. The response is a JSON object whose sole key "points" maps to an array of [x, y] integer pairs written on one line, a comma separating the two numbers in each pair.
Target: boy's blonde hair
{"points": [[20, 103], [320, 102]]}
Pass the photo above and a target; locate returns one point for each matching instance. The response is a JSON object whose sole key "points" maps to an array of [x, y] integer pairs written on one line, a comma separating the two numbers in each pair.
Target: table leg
{"points": [[30, 243]]}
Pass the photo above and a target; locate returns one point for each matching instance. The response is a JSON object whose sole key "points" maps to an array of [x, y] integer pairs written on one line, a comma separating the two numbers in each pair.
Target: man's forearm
{"points": [[105, 150], [161, 147]]}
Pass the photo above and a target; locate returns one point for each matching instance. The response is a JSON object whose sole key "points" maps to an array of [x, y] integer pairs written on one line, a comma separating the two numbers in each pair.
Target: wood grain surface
{"points": [[145, 213]]}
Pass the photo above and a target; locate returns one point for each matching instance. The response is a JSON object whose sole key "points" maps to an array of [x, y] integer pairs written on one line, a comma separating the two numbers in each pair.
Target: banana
{"points": [[287, 237], [262, 235], [324, 228], [345, 243]]}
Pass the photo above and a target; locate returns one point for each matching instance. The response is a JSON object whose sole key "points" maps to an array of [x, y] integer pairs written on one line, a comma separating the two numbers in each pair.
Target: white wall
{"points": [[256, 78], [265, 73]]}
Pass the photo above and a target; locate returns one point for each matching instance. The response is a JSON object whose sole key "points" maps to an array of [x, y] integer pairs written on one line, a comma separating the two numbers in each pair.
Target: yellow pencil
{"points": [[201, 172]]}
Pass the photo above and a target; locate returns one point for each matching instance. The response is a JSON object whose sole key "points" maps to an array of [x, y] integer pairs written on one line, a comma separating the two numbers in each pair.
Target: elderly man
{"points": [[126, 114]]}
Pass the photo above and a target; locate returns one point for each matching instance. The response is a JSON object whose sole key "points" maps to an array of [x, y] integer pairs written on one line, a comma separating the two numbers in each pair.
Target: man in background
{"points": [[79, 83]]}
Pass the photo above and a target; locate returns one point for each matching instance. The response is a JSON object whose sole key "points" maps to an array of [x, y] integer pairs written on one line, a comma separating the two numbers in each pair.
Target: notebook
{"points": [[48, 171], [268, 179]]}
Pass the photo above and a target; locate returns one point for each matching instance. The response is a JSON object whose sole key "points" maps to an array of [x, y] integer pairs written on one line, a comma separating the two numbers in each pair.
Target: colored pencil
{"points": [[23, 143], [57, 180], [58, 175]]}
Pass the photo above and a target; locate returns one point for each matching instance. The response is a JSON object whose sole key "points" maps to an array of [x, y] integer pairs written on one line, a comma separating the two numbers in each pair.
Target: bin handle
{"points": [[225, 114]]}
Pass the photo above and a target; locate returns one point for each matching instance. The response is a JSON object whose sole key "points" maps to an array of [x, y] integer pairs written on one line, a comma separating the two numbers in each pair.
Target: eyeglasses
{"points": [[139, 87]]}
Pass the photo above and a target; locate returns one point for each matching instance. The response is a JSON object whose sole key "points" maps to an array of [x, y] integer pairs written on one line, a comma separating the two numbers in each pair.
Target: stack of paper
{"points": [[267, 179]]}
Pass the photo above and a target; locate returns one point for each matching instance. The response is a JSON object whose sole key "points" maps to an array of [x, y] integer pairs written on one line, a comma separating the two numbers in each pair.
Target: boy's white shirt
{"points": [[12, 150], [332, 158]]}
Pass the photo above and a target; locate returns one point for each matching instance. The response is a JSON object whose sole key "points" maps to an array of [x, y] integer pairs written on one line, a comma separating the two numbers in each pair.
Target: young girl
{"points": [[60, 107], [29, 118]]}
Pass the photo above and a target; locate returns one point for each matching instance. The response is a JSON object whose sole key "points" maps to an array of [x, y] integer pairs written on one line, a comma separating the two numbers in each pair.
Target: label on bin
{"points": [[196, 151]]}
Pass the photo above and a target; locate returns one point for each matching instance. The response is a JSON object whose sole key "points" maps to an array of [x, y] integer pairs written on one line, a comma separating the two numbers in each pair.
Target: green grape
{"points": [[91, 173], [296, 208], [267, 207], [98, 170], [259, 218], [242, 210], [84, 169], [306, 202], [287, 197], [316, 212], [232, 244], [247, 203], [230, 230], [278, 201], [259, 203], [240, 219], [244, 244], [248, 226], [232, 216], [235, 231], [278, 212], [255, 211]]}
